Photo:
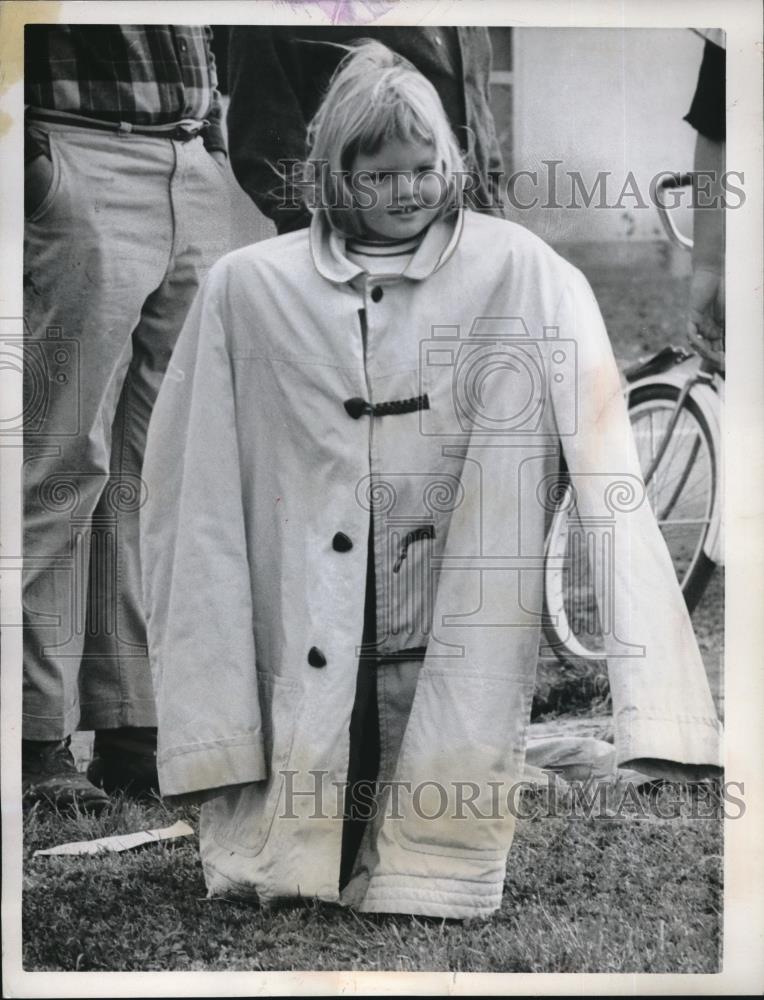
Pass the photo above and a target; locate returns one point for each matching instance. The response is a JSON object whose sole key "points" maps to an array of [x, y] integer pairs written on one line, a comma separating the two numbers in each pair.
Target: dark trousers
{"points": [[363, 764]]}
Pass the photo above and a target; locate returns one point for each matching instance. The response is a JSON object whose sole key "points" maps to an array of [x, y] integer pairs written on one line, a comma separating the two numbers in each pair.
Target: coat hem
{"points": [[431, 897], [679, 739], [212, 766]]}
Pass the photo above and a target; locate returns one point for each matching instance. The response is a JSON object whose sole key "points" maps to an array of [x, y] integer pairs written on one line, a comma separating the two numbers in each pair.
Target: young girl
{"points": [[349, 470]]}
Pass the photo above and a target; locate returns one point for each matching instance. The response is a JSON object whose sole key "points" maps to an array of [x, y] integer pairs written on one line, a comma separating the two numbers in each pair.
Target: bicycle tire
{"points": [[565, 599], [695, 578]]}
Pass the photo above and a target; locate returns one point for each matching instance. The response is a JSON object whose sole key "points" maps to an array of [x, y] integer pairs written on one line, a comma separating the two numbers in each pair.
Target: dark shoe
{"points": [[125, 760], [49, 775]]}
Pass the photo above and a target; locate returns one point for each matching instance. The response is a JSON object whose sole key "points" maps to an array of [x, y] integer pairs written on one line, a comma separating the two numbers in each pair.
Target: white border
{"points": [[744, 901]]}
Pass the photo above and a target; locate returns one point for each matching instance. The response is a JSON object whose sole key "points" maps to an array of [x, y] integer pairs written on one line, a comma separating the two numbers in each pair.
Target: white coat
{"points": [[492, 350]]}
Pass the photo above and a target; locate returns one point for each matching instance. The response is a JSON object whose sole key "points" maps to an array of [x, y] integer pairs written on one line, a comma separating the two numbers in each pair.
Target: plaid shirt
{"points": [[141, 74]]}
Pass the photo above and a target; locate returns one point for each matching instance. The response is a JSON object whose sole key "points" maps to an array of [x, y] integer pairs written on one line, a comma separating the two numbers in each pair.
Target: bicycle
{"points": [[675, 402]]}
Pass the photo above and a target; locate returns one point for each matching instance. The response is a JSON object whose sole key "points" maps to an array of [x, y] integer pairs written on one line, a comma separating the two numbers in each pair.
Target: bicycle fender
{"points": [[708, 402], [663, 360]]}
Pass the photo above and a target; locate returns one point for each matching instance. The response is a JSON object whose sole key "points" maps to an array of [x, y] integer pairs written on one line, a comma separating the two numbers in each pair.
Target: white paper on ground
{"points": [[121, 842]]}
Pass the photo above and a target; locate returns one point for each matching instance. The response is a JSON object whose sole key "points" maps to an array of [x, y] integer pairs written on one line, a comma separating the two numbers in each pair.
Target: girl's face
{"points": [[399, 190]]}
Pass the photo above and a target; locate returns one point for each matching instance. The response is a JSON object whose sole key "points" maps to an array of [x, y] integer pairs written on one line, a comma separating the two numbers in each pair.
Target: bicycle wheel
{"points": [[683, 489], [682, 494]]}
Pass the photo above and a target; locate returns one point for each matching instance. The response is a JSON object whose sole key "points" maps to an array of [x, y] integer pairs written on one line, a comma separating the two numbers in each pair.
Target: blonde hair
{"points": [[374, 95]]}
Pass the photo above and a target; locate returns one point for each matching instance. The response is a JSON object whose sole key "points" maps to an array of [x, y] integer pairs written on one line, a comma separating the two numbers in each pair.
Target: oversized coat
{"points": [[304, 397]]}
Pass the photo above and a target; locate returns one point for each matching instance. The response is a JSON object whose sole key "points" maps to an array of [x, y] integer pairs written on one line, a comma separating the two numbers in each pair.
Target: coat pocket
{"points": [[462, 762], [241, 818], [411, 583]]}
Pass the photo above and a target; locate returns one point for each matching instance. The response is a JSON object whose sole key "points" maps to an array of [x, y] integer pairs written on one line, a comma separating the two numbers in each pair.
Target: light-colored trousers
{"points": [[113, 256]]}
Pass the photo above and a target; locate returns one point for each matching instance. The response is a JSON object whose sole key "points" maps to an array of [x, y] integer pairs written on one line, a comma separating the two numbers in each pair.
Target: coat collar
{"points": [[328, 250]]}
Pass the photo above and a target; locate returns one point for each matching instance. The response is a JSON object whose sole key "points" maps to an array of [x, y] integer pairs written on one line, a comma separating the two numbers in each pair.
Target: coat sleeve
{"points": [[265, 122], [662, 704], [196, 574]]}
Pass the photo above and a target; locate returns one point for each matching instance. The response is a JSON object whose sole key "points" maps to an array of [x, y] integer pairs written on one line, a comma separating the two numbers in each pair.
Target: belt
{"points": [[182, 131]]}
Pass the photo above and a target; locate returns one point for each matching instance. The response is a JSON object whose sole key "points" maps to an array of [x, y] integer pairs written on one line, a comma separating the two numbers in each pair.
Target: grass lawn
{"points": [[582, 895]]}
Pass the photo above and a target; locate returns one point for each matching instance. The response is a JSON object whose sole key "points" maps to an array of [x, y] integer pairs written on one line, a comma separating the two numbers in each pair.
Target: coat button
{"points": [[341, 542], [376, 293], [356, 407], [316, 658]]}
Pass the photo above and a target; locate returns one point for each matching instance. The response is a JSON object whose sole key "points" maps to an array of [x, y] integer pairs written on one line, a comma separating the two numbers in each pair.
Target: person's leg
{"points": [[363, 754], [363, 766], [116, 696], [94, 251]]}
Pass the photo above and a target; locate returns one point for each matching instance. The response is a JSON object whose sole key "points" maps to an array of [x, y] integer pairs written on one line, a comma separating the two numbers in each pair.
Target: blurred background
{"points": [[596, 99]]}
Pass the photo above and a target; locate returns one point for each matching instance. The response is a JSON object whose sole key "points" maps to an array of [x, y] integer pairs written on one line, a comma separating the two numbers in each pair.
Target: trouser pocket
{"points": [[42, 175]]}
